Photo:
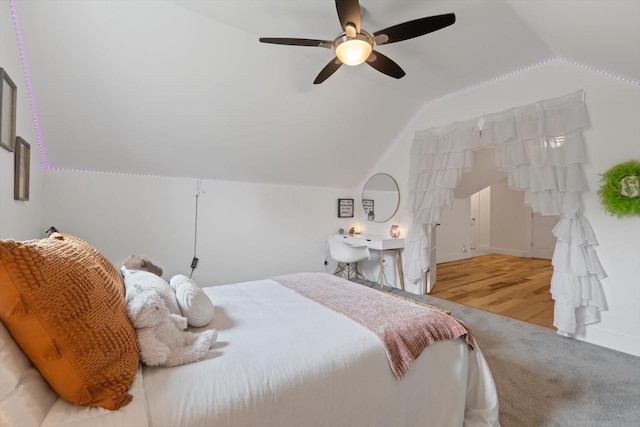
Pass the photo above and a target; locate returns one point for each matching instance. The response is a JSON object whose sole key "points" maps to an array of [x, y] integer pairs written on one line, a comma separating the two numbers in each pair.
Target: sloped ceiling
{"points": [[184, 88]]}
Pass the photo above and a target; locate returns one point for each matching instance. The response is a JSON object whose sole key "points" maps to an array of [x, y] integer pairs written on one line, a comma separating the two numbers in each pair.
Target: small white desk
{"points": [[380, 244]]}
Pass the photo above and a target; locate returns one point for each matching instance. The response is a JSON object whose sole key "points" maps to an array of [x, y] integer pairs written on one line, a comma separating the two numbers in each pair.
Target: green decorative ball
{"points": [[620, 193]]}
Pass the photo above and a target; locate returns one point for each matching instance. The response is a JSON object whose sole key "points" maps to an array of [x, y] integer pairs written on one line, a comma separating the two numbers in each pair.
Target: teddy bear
{"points": [[162, 338], [182, 295], [141, 262], [139, 273]]}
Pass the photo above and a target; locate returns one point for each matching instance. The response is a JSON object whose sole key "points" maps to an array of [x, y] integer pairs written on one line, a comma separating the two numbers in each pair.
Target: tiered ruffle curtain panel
{"points": [[541, 148]]}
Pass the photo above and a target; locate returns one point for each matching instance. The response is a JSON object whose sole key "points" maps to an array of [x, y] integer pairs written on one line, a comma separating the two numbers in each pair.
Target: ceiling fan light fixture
{"points": [[355, 46], [353, 50]]}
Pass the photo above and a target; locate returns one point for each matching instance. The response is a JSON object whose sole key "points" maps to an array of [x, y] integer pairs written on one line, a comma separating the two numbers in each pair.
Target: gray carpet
{"points": [[544, 379]]}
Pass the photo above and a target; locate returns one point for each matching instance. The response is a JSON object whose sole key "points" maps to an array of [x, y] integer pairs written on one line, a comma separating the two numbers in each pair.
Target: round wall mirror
{"points": [[380, 197]]}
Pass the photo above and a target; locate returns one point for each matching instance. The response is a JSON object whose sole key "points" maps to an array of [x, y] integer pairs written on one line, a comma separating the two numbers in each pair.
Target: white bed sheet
{"points": [[283, 360], [134, 414]]}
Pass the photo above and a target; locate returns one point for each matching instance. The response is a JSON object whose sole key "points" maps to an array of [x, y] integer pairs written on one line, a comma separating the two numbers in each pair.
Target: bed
{"points": [[282, 359]]}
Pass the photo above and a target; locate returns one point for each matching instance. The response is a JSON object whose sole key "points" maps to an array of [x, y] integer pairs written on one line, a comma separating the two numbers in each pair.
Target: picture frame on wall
{"points": [[22, 169], [8, 101], [345, 208]]}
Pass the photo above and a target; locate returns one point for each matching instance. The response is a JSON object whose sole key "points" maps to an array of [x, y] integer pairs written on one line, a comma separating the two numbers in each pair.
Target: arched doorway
{"points": [[541, 149]]}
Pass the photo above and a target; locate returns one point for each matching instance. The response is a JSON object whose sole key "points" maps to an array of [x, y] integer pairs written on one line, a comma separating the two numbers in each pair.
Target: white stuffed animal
{"points": [[162, 339], [194, 304]]}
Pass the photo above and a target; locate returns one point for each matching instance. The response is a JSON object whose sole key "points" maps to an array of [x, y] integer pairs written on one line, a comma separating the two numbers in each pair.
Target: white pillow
{"points": [[194, 303], [145, 280], [25, 397]]}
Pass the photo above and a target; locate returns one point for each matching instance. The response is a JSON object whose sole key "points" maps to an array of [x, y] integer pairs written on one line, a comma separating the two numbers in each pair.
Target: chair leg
{"points": [[359, 273], [338, 270], [347, 270]]}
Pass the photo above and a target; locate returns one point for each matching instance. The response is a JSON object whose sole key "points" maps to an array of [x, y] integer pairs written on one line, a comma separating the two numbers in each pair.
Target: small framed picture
{"points": [[8, 99], [345, 208], [21, 174]]}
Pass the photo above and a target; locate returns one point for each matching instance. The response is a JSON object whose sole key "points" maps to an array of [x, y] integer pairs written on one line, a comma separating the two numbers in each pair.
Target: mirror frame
{"points": [[362, 198]]}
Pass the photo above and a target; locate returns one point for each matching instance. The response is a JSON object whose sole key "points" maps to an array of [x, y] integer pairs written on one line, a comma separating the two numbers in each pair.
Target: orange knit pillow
{"points": [[64, 305]]}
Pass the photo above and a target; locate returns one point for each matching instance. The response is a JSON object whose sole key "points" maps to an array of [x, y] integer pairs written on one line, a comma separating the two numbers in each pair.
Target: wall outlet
{"points": [[464, 248], [325, 261]]}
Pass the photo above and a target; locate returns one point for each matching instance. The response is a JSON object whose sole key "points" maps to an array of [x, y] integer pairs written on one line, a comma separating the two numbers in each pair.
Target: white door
{"points": [[475, 213], [543, 242], [431, 274]]}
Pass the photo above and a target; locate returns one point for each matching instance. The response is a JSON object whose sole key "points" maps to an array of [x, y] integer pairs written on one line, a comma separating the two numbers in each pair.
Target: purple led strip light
{"points": [[46, 165], [27, 78], [409, 124]]}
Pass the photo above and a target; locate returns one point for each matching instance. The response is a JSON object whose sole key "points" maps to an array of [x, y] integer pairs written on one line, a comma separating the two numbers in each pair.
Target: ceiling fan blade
{"points": [[349, 13], [416, 28], [385, 65], [328, 70], [298, 42]]}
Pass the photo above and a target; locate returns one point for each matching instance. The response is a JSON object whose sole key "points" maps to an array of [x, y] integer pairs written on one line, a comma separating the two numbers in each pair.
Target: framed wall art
{"points": [[345, 208], [22, 165], [8, 100]]}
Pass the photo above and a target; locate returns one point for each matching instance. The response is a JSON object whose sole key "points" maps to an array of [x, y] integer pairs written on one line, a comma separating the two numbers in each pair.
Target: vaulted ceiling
{"points": [[184, 87]]}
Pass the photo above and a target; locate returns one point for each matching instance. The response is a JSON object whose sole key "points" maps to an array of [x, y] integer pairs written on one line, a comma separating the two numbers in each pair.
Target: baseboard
{"points": [[610, 339], [511, 252], [454, 256]]}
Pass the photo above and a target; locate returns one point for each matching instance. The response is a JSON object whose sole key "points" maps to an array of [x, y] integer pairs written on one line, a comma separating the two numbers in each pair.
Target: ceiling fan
{"points": [[355, 45]]}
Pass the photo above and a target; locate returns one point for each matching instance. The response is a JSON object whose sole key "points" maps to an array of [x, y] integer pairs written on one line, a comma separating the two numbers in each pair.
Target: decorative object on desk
{"points": [[8, 100], [620, 193], [345, 208], [22, 157], [352, 230], [381, 191], [395, 231], [357, 229]]}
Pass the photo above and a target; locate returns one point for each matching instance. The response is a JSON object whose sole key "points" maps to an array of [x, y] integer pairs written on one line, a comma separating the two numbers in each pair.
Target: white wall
{"points": [[484, 219], [510, 221], [245, 231], [19, 220], [614, 137], [454, 232], [504, 224]]}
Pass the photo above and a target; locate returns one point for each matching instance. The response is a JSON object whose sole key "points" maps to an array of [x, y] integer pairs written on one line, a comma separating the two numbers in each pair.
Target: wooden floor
{"points": [[510, 286]]}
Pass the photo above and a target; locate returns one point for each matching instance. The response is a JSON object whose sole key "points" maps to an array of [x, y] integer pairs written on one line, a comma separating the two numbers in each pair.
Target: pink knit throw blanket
{"points": [[404, 328]]}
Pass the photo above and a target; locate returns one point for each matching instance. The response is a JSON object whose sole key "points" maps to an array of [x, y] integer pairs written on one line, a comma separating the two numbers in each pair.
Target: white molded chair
{"points": [[347, 257]]}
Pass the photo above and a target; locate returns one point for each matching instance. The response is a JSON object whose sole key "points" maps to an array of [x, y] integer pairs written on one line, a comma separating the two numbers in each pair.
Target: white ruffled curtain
{"points": [[542, 149]]}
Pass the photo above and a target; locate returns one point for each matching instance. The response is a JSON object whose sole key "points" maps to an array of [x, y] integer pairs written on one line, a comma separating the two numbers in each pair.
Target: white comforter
{"points": [[283, 360]]}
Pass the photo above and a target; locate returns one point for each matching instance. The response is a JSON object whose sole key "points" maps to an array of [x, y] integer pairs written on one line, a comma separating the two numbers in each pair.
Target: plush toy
{"points": [[161, 336], [139, 273], [139, 262], [194, 303]]}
